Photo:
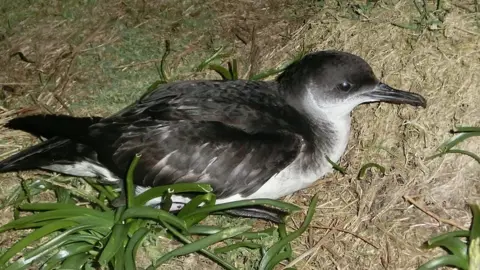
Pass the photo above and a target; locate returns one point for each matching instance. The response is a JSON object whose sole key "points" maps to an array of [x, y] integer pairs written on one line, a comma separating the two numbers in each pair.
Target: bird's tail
{"points": [[48, 126], [58, 151]]}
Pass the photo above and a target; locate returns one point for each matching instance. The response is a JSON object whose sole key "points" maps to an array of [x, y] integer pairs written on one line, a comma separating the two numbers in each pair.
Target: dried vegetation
{"points": [[56, 57]]}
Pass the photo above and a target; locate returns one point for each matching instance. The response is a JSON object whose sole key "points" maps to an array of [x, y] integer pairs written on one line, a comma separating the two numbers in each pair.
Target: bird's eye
{"points": [[345, 86]]}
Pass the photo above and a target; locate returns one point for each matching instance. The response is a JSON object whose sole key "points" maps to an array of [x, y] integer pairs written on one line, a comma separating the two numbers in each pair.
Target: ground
{"points": [[94, 57]]}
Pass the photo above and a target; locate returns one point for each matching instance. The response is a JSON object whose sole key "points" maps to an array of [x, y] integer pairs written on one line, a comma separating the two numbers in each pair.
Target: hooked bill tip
{"points": [[385, 93]]}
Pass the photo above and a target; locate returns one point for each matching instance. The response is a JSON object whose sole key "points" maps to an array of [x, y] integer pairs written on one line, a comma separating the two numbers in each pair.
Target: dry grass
{"points": [[443, 66], [360, 224]]}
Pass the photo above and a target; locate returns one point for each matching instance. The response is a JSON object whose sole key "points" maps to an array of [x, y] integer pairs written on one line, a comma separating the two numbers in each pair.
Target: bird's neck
{"points": [[331, 134], [340, 127]]}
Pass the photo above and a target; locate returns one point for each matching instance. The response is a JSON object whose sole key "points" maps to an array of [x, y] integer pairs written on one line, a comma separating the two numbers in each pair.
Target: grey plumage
{"points": [[208, 132]]}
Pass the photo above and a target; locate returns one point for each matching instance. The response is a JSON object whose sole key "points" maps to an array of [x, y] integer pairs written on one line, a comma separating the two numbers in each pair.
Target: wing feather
{"points": [[233, 135]]}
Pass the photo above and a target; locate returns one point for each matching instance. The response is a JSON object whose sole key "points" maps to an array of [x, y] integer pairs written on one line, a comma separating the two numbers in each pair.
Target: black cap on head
{"points": [[326, 69], [338, 81]]}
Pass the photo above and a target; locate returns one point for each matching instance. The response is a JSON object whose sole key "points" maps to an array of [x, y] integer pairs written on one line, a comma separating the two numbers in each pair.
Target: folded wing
{"points": [[234, 136]]}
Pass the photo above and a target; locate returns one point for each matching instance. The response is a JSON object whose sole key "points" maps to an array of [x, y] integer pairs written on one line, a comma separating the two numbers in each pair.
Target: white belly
{"points": [[286, 182]]}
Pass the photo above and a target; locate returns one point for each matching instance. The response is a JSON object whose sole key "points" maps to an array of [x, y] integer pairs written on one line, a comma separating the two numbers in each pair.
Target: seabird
{"points": [[247, 139]]}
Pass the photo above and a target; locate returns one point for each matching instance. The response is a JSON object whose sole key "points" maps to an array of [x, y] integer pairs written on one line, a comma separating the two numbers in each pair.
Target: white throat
{"points": [[337, 116], [341, 128]]}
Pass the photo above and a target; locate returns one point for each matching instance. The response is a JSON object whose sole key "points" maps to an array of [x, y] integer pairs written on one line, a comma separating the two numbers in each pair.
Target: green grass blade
{"points": [[225, 206], [456, 140], [454, 245], [364, 168], [156, 192], [336, 167], [26, 191], [464, 152], [54, 242], [146, 212], [447, 260], [119, 213], [162, 73], [47, 248], [109, 194], [52, 215], [406, 26], [474, 254], [49, 207], [66, 251], [433, 242], [230, 70], [119, 261], [152, 87], [475, 230], [435, 156], [223, 72], [467, 129], [275, 249], [37, 234], [101, 226], [114, 244], [258, 234], [282, 231], [233, 69], [76, 261], [207, 199], [137, 224], [167, 202], [266, 74], [63, 195], [210, 59], [277, 259], [129, 183], [229, 248], [32, 225], [207, 230], [205, 252], [85, 236], [132, 247], [204, 229], [201, 244]]}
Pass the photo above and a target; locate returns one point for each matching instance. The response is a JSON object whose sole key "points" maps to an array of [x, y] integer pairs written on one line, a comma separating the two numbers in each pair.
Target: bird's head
{"points": [[336, 82]]}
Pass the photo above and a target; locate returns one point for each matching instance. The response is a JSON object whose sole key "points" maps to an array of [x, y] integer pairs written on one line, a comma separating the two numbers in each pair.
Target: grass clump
{"points": [[461, 134], [463, 246], [96, 236]]}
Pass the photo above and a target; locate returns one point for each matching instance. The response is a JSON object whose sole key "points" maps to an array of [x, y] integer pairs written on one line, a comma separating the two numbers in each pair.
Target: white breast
{"points": [[293, 178]]}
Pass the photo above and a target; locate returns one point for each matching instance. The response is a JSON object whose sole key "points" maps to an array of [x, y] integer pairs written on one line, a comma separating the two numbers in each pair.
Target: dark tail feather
{"points": [[49, 126], [52, 151]]}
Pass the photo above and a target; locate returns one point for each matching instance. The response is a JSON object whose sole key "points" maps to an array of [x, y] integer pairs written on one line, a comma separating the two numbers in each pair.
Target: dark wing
{"points": [[247, 105], [233, 135]]}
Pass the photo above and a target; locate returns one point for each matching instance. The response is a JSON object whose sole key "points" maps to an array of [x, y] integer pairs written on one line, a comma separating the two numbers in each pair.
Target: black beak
{"points": [[385, 93]]}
